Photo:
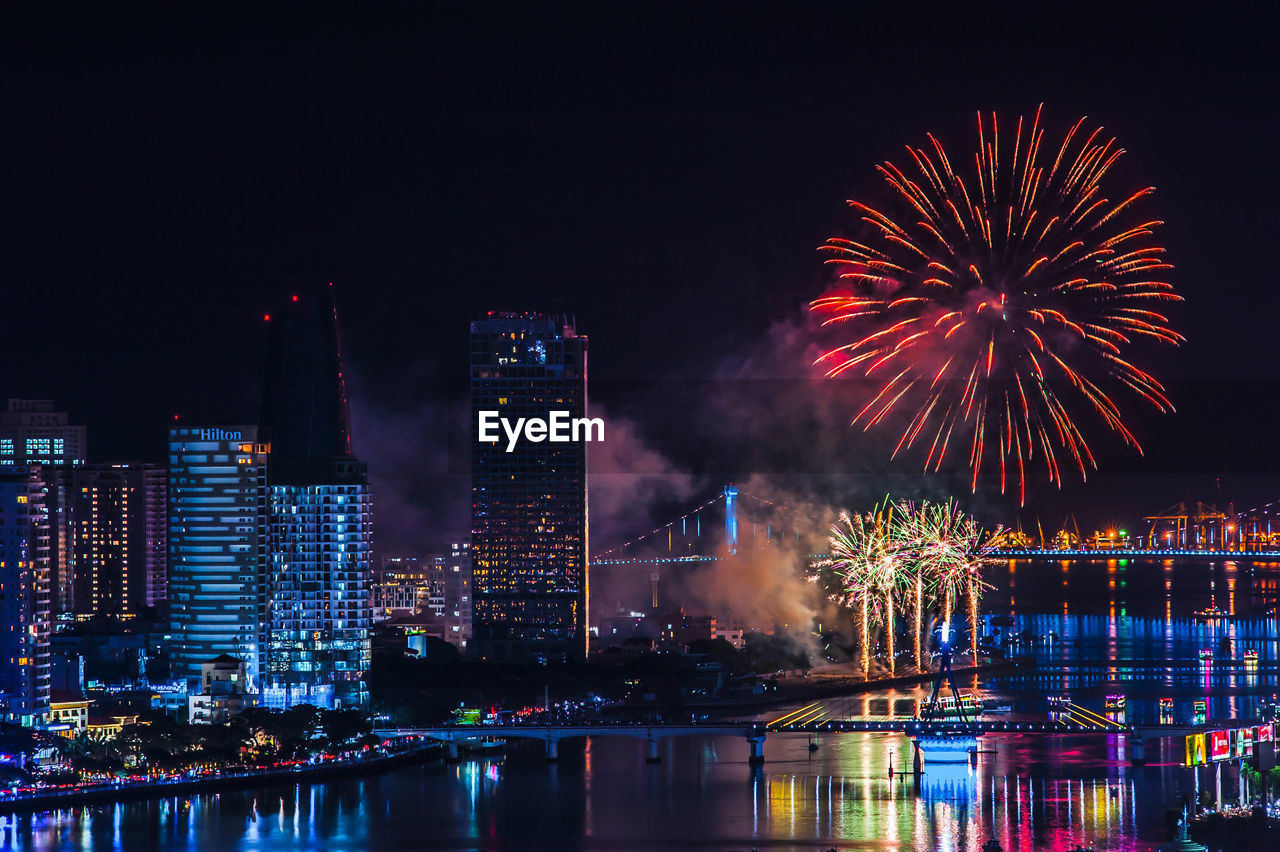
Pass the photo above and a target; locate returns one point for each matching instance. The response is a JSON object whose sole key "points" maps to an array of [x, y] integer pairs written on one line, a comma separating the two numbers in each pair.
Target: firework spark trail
{"points": [[980, 300], [862, 564], [902, 555]]}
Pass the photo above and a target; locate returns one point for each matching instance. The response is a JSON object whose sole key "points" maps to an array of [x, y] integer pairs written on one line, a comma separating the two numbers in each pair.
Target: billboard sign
{"points": [[1219, 745], [1231, 744], [1197, 755]]}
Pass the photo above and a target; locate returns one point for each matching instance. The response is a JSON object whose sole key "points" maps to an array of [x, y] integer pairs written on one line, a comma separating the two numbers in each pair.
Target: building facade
{"points": [[529, 502], [456, 606], [216, 545], [318, 569], [319, 610], [438, 586], [222, 694], [68, 713], [110, 525], [404, 587], [155, 519], [24, 597], [33, 432]]}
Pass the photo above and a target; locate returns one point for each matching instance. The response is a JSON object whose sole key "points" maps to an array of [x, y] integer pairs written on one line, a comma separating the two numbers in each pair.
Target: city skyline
{"points": [[731, 424]]}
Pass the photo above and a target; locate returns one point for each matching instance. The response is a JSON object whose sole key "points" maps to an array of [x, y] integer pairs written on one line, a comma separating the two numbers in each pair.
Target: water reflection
{"points": [[1119, 626]]}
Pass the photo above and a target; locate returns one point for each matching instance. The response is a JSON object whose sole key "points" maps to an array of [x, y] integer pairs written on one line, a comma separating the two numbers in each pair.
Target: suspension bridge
{"points": [[712, 531], [718, 528]]}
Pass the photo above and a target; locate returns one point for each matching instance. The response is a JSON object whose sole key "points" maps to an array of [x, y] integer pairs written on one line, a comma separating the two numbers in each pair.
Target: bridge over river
{"points": [[1269, 555], [452, 735], [1072, 720]]}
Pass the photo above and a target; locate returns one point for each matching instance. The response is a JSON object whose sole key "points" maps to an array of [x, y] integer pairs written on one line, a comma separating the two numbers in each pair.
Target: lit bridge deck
{"points": [[1076, 721], [452, 735], [1162, 553], [944, 727]]}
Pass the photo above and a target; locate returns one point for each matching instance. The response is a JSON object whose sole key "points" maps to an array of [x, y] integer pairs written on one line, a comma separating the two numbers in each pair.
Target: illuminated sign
{"points": [[219, 435], [1242, 742], [1232, 744], [1219, 745], [465, 716], [1196, 754]]}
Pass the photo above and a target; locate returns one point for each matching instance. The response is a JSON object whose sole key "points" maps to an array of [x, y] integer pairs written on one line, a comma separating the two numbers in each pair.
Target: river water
{"points": [[1118, 625]]}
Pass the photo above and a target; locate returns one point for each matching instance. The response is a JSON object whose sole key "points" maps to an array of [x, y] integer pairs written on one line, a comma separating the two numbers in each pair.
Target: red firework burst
{"points": [[982, 303]]}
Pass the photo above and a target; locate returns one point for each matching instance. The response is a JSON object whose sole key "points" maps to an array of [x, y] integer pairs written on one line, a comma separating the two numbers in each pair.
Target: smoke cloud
{"points": [[760, 416]]}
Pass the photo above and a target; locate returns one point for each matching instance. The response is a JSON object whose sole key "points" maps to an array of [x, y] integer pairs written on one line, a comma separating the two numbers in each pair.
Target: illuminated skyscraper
{"points": [[24, 597], [217, 541], [32, 432], [112, 519], [529, 505], [318, 569], [456, 568]]}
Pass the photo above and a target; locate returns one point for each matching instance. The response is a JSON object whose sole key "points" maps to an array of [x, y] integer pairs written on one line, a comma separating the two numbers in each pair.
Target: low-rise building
{"points": [[222, 694], [68, 713], [734, 635], [103, 728], [438, 585]]}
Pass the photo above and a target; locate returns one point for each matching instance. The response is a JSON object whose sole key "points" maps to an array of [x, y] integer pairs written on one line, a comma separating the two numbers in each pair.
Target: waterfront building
{"points": [[110, 522], [529, 501], [68, 713], [103, 729], [318, 606], [33, 432], [216, 541], [222, 695], [24, 597]]}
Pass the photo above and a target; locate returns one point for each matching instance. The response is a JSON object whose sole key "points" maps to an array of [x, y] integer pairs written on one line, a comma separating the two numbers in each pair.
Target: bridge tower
{"points": [[731, 518]]}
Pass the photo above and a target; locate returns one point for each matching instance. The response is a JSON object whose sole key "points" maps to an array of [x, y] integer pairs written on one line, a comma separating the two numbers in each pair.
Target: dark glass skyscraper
{"points": [[529, 504], [318, 568]]}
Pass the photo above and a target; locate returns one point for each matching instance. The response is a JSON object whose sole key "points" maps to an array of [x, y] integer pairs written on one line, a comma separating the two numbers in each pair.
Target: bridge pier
{"points": [[453, 751], [1137, 749], [553, 750], [756, 750], [653, 757]]}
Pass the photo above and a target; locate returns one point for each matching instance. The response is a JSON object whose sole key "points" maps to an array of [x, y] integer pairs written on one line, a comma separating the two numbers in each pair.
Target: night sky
{"points": [[660, 172]]}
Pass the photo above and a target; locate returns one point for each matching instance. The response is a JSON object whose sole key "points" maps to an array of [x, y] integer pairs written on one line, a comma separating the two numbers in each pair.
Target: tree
{"points": [[289, 731], [15, 739], [341, 727], [719, 649]]}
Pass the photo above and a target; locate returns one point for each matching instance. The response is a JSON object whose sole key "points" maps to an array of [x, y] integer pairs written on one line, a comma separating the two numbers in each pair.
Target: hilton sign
{"points": [[219, 435]]}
